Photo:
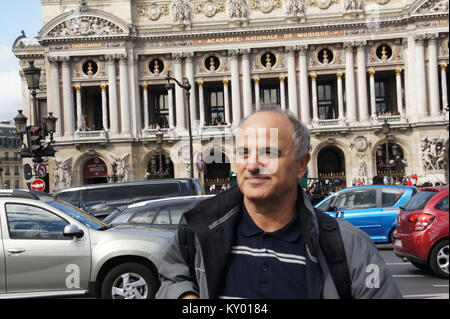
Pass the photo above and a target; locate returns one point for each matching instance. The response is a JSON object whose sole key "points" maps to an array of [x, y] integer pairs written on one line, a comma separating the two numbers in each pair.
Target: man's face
{"points": [[267, 169]]}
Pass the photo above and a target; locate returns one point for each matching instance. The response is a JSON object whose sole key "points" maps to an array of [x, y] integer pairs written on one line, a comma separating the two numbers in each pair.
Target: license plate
{"points": [[398, 243]]}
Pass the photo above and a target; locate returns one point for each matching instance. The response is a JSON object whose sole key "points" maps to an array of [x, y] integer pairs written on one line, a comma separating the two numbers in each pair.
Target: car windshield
{"points": [[419, 200], [74, 212]]}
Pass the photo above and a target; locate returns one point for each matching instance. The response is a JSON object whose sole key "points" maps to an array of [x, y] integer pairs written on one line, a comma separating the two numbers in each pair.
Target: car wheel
{"points": [[129, 281], [391, 236], [439, 259]]}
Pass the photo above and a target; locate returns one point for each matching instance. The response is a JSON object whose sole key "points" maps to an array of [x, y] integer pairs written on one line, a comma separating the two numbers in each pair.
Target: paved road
{"points": [[413, 282]]}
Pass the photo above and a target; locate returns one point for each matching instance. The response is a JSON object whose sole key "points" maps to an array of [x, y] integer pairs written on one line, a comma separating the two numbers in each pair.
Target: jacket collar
{"points": [[214, 221]]}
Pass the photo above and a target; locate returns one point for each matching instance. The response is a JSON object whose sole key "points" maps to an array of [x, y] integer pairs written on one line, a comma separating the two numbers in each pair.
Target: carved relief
{"points": [[353, 5], [62, 174], [432, 6], [237, 9], [181, 12], [265, 6], [209, 8], [322, 4], [153, 12], [433, 153], [85, 26], [295, 8], [123, 168]]}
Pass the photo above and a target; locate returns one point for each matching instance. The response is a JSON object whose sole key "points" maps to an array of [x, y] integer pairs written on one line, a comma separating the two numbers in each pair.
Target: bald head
{"points": [[299, 132]]}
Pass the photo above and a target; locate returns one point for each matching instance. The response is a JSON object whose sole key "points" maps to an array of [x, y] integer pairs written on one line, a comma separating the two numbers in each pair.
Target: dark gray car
{"points": [[101, 200], [162, 213]]}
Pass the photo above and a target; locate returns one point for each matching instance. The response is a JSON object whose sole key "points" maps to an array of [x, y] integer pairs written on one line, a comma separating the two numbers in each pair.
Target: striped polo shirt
{"points": [[266, 265]]}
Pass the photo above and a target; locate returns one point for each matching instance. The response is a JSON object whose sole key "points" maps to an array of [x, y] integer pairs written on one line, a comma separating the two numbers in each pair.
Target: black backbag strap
{"points": [[333, 248], [186, 242]]}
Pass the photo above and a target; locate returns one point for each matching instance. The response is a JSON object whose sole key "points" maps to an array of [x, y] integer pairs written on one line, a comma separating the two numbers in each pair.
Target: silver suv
{"points": [[50, 248]]}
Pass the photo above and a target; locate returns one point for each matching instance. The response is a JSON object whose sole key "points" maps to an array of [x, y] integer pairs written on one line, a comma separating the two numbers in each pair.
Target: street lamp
{"points": [[388, 164], [187, 87], [33, 146], [33, 77], [159, 173]]}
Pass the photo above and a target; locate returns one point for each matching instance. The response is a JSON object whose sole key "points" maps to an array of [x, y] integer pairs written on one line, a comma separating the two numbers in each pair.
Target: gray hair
{"points": [[300, 133]]}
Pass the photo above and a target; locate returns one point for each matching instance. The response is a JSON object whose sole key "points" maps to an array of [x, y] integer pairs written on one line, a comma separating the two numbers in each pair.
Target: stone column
{"points": [[137, 116], [179, 94], [171, 110], [410, 77], [304, 90], [292, 78], [235, 87], [69, 121], [340, 96], [398, 82], [362, 81], [444, 86], [246, 82], [104, 107], [257, 94], [145, 100], [282, 93], [433, 75], [124, 95], [373, 101], [133, 95], [226, 101], [193, 99], [314, 97], [79, 108], [420, 79], [350, 82], [201, 103], [112, 91], [53, 93]]}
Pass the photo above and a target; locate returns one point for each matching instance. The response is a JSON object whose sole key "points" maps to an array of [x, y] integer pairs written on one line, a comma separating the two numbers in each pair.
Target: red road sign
{"points": [[38, 185], [41, 170]]}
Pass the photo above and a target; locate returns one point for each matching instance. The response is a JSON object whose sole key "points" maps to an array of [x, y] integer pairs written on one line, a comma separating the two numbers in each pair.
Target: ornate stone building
{"points": [[344, 67]]}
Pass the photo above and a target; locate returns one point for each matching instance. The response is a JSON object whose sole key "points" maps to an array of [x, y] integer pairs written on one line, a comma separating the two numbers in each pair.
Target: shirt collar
{"points": [[289, 233]]}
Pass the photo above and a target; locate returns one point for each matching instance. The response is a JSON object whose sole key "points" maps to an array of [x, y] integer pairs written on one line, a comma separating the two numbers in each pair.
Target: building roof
{"points": [[9, 137]]}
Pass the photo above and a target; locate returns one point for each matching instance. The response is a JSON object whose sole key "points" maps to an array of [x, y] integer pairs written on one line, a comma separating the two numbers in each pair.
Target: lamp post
{"points": [[33, 76], [389, 163], [187, 87], [160, 173]]}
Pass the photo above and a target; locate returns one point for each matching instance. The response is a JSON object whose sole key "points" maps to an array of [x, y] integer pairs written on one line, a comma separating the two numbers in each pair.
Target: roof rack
{"points": [[18, 193]]}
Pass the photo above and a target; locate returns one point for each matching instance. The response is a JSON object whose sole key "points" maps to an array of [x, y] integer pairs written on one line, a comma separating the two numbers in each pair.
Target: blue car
{"points": [[372, 208]]}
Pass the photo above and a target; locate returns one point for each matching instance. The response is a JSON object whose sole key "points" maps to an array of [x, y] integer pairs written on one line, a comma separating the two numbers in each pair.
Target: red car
{"points": [[421, 236]]}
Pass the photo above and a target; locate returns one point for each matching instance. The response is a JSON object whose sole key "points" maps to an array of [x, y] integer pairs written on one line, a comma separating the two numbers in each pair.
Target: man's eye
{"points": [[270, 153]]}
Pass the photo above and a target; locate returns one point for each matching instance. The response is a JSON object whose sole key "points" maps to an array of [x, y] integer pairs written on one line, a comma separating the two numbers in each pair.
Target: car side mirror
{"points": [[72, 231], [339, 215]]}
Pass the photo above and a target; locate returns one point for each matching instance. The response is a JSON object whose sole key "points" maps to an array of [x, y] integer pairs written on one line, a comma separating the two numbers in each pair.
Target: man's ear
{"points": [[303, 164]]}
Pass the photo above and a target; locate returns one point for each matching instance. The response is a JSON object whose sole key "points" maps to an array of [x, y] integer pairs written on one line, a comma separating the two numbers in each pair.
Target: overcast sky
{"points": [[15, 16]]}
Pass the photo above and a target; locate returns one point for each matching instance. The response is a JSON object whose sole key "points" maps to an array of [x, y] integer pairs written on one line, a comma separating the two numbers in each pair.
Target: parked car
{"points": [[160, 213], [51, 248], [422, 230], [372, 208], [101, 200]]}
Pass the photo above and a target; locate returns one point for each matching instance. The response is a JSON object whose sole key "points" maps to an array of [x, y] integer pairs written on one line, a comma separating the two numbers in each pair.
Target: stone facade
{"points": [[343, 67]]}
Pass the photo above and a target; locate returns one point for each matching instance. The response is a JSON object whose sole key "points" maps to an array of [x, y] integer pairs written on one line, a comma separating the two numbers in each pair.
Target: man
{"points": [[260, 239]]}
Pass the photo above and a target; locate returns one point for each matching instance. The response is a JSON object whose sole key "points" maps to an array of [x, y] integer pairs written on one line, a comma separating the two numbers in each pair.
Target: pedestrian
{"points": [[409, 182], [263, 238], [414, 180]]}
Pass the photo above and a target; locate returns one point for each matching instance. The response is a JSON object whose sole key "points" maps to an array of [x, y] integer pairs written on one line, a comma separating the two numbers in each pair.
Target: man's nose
{"points": [[254, 164]]}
